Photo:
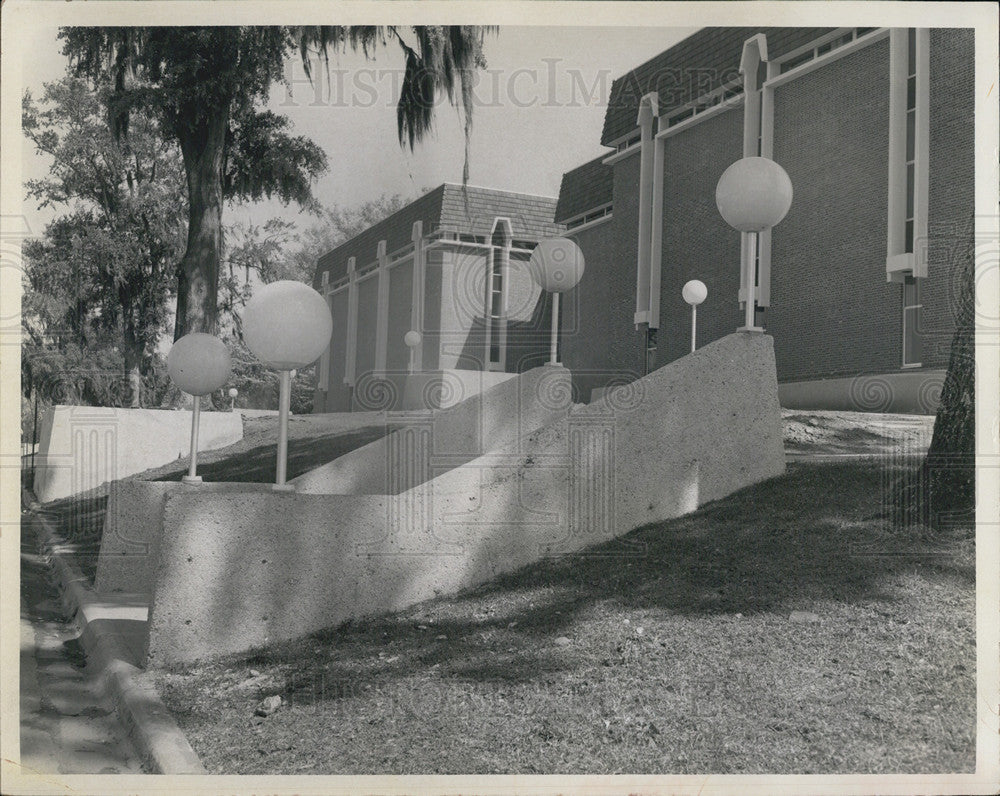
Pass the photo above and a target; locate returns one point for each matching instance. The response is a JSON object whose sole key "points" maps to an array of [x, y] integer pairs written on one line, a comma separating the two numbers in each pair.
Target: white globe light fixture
{"points": [[753, 195], [233, 392], [287, 325], [412, 339], [694, 292], [556, 265], [198, 364]]}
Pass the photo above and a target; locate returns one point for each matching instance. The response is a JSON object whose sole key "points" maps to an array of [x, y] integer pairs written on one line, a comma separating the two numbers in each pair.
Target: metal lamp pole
{"points": [[556, 265], [753, 195]]}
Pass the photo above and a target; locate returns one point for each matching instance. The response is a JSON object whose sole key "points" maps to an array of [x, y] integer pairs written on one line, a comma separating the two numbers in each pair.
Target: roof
{"points": [[693, 67], [584, 188], [470, 210]]}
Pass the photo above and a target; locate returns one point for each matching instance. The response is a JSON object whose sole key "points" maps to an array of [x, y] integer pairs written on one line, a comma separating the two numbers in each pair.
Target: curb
{"points": [[157, 738]]}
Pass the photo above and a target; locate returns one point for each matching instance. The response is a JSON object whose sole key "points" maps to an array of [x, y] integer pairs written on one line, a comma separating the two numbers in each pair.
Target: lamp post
{"points": [[233, 392], [753, 194], [556, 265], [412, 339], [198, 364], [287, 325], [694, 292]]}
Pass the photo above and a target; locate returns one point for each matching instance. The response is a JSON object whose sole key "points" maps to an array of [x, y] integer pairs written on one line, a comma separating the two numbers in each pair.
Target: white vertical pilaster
{"points": [[350, 365], [503, 253], [419, 287], [382, 309], [898, 50], [766, 151], [758, 123], [900, 262], [921, 165], [489, 263], [323, 373], [647, 112], [656, 236]]}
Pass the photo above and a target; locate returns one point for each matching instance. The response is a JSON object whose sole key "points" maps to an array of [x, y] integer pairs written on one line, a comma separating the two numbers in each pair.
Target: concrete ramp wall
{"points": [[238, 570], [133, 527], [440, 440], [84, 447]]}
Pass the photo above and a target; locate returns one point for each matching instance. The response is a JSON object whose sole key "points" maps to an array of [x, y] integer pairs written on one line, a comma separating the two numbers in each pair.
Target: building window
{"points": [[650, 350], [728, 91], [912, 349], [629, 142], [827, 44], [909, 125], [911, 134], [587, 217], [498, 260]]}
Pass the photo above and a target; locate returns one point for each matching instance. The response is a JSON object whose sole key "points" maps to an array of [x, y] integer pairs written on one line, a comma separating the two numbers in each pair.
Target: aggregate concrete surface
{"points": [[68, 725]]}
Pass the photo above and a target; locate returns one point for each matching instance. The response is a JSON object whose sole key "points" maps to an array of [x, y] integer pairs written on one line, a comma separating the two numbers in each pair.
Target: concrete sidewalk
{"points": [[113, 636]]}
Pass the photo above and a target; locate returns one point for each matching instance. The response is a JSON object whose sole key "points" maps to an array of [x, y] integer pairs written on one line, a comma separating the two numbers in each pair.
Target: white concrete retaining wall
{"points": [[447, 438], [907, 392], [133, 527], [440, 389], [238, 570], [84, 447]]}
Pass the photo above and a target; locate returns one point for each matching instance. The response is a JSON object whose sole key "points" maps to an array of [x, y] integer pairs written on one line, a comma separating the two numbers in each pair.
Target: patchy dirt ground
{"points": [[855, 433]]}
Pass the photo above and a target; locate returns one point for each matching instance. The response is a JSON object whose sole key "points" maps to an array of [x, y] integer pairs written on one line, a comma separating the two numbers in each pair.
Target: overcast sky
{"points": [[539, 112]]}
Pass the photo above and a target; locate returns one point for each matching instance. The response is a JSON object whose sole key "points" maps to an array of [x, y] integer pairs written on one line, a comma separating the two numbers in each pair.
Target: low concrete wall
{"points": [[84, 447], [438, 441], [916, 392], [440, 389], [239, 570], [133, 527]]}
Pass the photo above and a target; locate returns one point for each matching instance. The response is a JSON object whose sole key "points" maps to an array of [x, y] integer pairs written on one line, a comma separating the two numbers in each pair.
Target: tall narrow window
{"points": [[912, 349], [495, 310], [911, 135], [650, 350], [909, 115], [496, 304]]}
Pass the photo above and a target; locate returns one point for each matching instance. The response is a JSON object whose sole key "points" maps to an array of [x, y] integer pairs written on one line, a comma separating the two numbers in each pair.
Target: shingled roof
{"points": [[693, 67], [584, 188], [468, 210]]}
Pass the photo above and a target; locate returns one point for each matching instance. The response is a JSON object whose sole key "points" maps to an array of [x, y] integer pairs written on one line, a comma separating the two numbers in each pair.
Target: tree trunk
{"points": [[950, 466], [133, 361], [203, 148], [135, 386]]}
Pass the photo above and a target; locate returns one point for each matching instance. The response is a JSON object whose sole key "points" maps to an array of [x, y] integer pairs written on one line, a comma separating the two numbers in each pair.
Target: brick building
{"points": [[452, 266], [856, 285]]}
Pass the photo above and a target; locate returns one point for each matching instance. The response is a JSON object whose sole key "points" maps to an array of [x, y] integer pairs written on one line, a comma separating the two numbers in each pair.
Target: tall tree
{"points": [[949, 470], [941, 492], [207, 86], [103, 272]]}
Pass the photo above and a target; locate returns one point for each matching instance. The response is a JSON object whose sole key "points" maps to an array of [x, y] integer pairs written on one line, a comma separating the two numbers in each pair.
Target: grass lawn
{"points": [[672, 650]]}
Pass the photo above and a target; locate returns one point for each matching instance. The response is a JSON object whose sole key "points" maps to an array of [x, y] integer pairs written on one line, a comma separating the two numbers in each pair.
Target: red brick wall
{"points": [[697, 243], [599, 341], [832, 312], [952, 185]]}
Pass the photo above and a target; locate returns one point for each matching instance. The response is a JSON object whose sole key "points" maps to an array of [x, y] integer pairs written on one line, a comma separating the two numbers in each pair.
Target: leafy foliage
{"points": [[207, 87], [336, 225], [256, 253], [97, 283]]}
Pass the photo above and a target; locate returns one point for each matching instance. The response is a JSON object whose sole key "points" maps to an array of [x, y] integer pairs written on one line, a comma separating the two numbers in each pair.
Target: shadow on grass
{"points": [[258, 464], [817, 533]]}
